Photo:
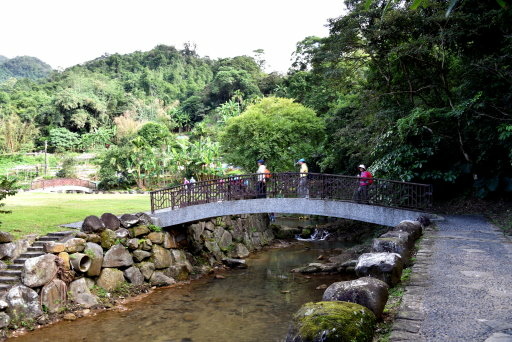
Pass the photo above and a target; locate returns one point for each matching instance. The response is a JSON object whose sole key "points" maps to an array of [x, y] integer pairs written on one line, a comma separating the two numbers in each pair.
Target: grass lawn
{"points": [[41, 213]]}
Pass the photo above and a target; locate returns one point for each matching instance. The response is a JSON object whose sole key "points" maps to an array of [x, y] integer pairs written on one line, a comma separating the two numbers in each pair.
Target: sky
{"points": [[63, 33]]}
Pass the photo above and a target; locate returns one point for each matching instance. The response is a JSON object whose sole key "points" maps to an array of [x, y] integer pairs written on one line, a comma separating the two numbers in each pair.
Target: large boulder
{"points": [[384, 266], [54, 295], [408, 238], [156, 237], [369, 292], [108, 238], [234, 263], [332, 322], [54, 247], [80, 293], [240, 251], [161, 257], [412, 227], [13, 250], [169, 241], [23, 303], [129, 220], [4, 320], [225, 241], [93, 224], [139, 231], [117, 256], [146, 268], [134, 275], [110, 279], [392, 245], [139, 255], [5, 237], [75, 245], [122, 233], [160, 279], [39, 270], [146, 219], [95, 252], [110, 221]]}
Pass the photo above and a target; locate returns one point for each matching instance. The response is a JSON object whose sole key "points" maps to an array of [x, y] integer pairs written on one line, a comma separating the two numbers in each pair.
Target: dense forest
{"points": [[416, 94], [23, 67]]}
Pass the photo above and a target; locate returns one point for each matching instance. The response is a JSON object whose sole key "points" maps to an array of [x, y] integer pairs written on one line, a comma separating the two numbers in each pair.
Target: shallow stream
{"points": [[254, 304]]}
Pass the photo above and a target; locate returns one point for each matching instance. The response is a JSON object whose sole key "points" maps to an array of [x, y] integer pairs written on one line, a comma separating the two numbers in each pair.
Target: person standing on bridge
{"points": [[303, 190], [261, 186], [365, 180]]}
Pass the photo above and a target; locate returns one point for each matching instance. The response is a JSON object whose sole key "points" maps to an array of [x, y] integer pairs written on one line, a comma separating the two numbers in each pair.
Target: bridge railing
{"points": [[293, 185], [49, 183]]}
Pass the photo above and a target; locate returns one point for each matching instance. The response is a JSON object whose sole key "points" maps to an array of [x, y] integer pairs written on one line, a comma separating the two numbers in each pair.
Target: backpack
{"points": [[370, 178], [267, 174]]}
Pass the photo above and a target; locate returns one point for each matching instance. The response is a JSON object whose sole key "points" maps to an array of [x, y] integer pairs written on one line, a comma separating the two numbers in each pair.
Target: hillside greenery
{"points": [[415, 94], [23, 67]]}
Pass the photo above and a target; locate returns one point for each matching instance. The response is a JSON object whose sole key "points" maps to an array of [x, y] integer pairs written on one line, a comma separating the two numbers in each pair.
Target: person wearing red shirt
{"points": [[364, 182]]}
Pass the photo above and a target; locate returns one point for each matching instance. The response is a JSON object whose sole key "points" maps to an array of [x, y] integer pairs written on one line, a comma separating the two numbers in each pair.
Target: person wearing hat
{"points": [[364, 181], [303, 178], [261, 186]]}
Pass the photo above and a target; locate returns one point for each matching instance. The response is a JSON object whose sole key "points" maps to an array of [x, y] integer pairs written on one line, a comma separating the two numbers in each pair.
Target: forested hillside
{"points": [[23, 67], [415, 94]]}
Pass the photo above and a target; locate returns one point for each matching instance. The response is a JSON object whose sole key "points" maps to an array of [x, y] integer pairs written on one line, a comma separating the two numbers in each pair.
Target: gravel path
{"points": [[461, 288]]}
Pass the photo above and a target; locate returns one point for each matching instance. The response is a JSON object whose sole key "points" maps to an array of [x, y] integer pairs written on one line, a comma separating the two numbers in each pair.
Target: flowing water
{"points": [[254, 304]]}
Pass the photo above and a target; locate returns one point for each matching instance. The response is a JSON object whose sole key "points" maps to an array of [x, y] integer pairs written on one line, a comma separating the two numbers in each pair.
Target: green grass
{"points": [[42, 213]]}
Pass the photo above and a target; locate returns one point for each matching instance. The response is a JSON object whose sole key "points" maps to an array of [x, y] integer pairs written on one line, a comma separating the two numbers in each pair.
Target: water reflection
{"points": [[254, 304]]}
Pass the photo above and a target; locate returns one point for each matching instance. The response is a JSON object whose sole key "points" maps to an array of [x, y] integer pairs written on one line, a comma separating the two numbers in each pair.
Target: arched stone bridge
{"points": [[63, 184], [387, 203]]}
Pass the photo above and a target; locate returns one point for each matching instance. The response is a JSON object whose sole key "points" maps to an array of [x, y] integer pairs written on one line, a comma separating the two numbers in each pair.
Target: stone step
{"points": [[31, 254], [48, 238], [10, 273], [61, 234], [15, 267], [5, 287], [9, 280], [20, 261], [35, 249]]}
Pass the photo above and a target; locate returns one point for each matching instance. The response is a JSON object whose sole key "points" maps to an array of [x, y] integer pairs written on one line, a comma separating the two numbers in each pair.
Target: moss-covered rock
{"points": [[332, 322]]}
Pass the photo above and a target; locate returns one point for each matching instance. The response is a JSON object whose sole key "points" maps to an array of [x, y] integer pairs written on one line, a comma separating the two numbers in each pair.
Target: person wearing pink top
{"points": [[365, 180]]}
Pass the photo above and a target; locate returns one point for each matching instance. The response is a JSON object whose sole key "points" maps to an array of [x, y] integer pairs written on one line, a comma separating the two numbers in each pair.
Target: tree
{"points": [[61, 140], [275, 129], [155, 134], [8, 187]]}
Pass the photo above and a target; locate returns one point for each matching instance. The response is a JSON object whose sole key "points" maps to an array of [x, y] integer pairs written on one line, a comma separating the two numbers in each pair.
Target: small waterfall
{"points": [[318, 235]]}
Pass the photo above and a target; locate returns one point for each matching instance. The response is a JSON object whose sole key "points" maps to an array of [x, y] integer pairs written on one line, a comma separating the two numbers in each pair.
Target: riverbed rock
{"points": [[332, 321], [134, 275], [161, 257], [108, 238], [239, 252], [139, 255], [39, 270], [225, 241], [110, 221], [285, 232], [117, 256], [5, 237], [316, 267], [54, 247], [146, 268], [412, 227], [23, 302], [128, 220], [75, 245], [369, 292], [392, 245], [160, 279], [156, 237], [384, 266], [95, 252], [4, 320], [407, 237], [92, 224], [234, 263], [110, 279], [54, 295], [80, 293]]}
